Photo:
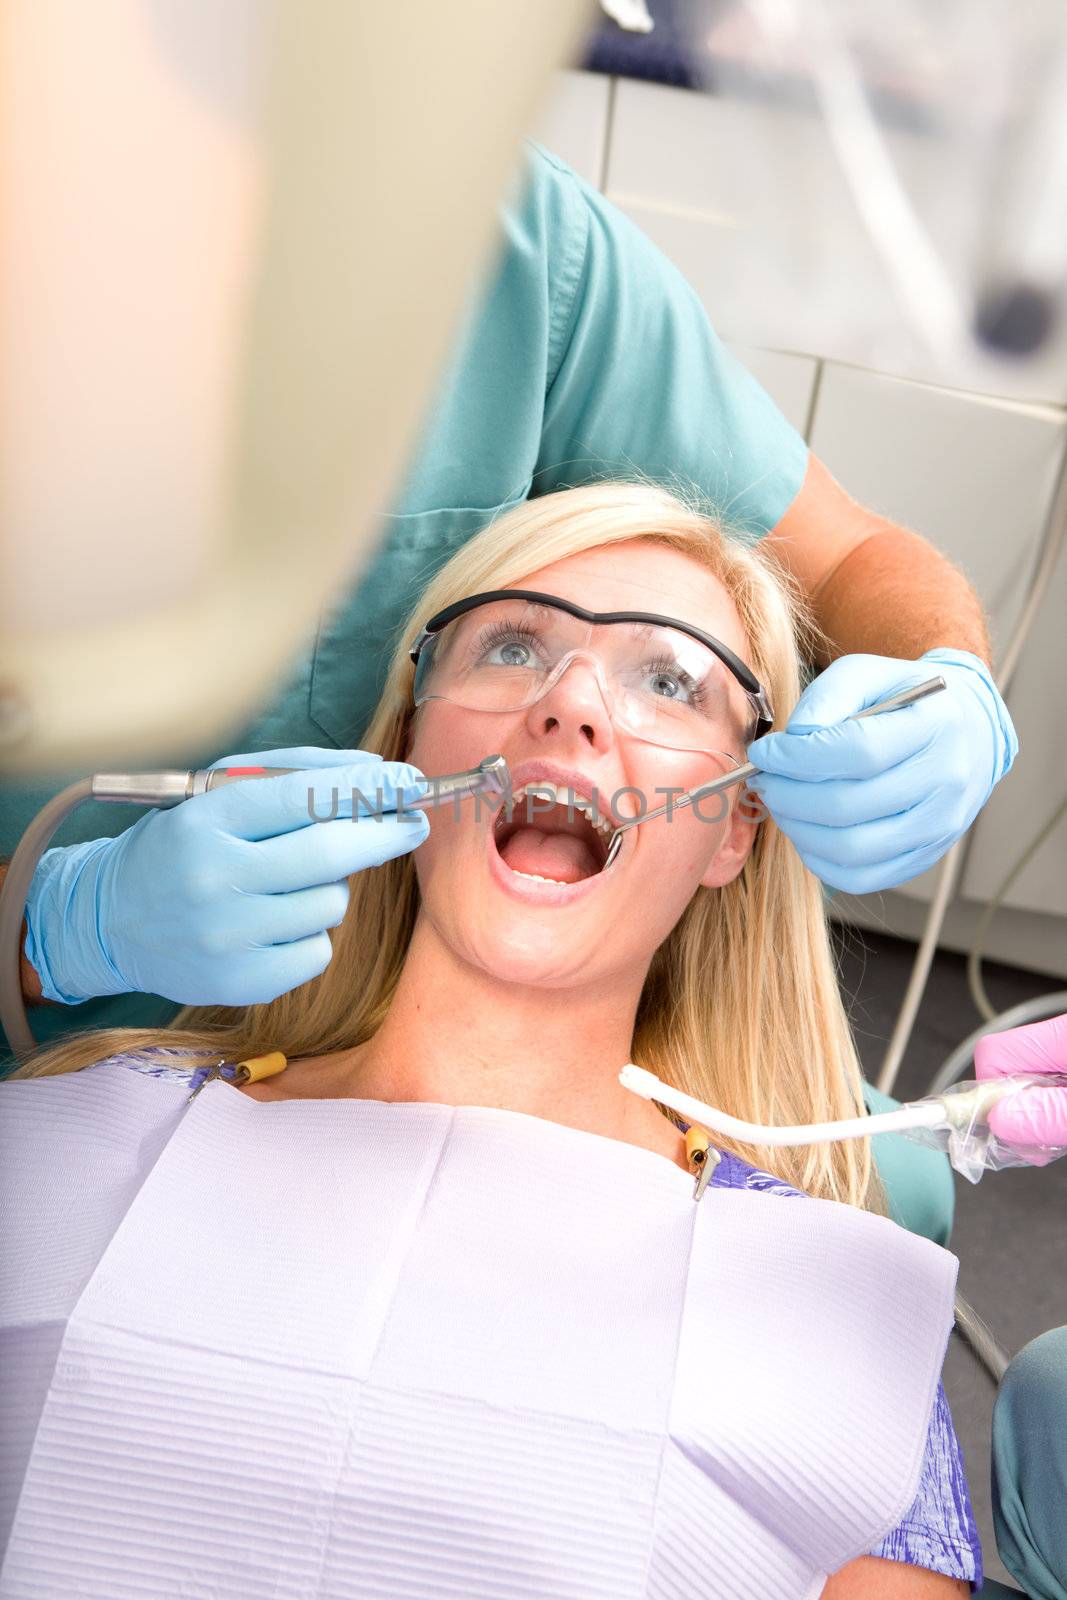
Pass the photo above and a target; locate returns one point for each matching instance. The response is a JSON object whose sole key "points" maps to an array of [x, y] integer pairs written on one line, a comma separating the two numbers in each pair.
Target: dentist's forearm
{"points": [[895, 595]]}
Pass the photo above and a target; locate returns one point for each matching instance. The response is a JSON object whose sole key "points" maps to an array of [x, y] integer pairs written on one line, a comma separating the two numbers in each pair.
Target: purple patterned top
{"points": [[938, 1531]]}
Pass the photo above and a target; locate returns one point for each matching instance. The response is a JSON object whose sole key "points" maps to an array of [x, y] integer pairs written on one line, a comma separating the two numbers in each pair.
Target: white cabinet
{"points": [[573, 121], [682, 165], [1038, 780], [976, 477]]}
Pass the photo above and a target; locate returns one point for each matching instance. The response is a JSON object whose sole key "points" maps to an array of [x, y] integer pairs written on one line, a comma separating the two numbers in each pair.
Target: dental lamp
{"points": [[221, 323]]}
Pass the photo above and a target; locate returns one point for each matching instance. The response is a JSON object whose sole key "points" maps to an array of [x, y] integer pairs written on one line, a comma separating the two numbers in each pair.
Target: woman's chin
{"points": [[513, 949]]}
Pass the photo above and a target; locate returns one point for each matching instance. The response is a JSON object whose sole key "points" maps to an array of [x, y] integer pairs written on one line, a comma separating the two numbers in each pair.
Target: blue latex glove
{"points": [[226, 898], [871, 804]]}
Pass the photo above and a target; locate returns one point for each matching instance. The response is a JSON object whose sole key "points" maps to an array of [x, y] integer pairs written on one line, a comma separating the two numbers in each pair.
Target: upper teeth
{"points": [[562, 797]]}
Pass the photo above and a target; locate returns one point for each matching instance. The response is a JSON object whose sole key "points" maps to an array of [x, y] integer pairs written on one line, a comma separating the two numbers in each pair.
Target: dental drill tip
{"points": [[640, 1080], [497, 776]]}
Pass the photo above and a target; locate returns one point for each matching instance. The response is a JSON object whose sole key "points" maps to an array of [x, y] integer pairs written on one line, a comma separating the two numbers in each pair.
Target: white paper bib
{"points": [[319, 1350]]}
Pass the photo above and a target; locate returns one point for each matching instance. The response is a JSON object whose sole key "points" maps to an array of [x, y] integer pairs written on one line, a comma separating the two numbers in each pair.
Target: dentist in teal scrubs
{"points": [[588, 356]]}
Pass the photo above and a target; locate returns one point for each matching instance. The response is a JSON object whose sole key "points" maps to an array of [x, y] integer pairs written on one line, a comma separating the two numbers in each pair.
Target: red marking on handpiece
{"points": [[243, 772]]}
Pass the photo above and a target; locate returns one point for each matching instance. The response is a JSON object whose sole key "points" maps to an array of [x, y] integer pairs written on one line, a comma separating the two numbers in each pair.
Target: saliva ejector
{"points": [[955, 1121]]}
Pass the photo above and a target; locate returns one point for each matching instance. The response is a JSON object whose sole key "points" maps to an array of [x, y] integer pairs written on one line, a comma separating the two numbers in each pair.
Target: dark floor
{"points": [[1011, 1228]]}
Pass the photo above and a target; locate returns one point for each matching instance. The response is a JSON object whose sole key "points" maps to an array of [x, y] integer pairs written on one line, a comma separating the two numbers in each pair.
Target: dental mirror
{"points": [[906, 697]]}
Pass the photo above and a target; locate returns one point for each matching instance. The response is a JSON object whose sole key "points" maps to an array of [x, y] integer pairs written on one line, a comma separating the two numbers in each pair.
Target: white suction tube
{"points": [[956, 1121], [650, 1087]]}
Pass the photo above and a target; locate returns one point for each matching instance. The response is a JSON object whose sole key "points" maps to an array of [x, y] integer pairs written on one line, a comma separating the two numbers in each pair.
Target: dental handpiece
{"points": [[490, 777], [906, 697]]}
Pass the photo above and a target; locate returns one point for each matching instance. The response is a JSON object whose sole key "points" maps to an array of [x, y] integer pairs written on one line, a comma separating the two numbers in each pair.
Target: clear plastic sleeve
{"points": [[964, 1132]]}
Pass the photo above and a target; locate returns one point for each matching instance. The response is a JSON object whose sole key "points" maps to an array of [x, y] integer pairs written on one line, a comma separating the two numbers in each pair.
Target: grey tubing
{"points": [[13, 894], [984, 1344], [1046, 1005], [1053, 544]]}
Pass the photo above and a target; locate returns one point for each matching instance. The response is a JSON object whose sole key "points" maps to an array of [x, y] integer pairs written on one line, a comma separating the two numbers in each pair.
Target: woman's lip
{"points": [[529, 773], [531, 890]]}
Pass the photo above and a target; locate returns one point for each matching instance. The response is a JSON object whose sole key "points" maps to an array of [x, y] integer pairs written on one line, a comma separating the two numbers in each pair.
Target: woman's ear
{"points": [[737, 841]]}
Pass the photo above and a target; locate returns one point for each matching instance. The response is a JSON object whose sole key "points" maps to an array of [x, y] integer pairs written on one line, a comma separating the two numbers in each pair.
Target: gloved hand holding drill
{"points": [[224, 900]]}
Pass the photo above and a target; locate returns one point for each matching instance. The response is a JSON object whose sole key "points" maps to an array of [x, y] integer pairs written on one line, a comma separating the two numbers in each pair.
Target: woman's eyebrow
{"points": [[645, 630], [537, 608]]}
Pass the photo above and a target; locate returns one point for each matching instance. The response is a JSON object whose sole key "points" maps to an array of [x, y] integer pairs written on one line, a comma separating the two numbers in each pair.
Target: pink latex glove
{"points": [[1033, 1117]]}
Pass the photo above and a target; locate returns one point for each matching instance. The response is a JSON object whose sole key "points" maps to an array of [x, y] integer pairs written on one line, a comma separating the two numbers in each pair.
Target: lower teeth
{"points": [[536, 876]]}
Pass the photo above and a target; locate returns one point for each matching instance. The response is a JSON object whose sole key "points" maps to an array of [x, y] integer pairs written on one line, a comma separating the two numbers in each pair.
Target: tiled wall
{"points": [[973, 468]]}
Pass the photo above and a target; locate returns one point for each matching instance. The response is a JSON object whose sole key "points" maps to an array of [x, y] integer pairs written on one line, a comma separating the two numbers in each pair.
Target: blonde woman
{"points": [[433, 1310]]}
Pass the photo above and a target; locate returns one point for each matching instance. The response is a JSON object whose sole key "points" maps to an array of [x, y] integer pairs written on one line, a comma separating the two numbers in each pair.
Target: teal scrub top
{"points": [[586, 357]]}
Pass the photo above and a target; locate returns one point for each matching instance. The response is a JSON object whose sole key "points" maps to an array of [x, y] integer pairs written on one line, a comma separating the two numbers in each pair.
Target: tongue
{"points": [[549, 855]]}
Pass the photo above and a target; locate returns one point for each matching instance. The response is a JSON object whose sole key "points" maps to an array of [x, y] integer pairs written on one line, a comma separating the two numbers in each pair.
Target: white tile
{"points": [[788, 379], [974, 476], [720, 184], [573, 121], [749, 201]]}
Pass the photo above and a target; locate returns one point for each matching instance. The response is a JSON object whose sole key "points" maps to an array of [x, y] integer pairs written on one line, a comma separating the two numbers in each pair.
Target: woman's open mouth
{"points": [[552, 835]]}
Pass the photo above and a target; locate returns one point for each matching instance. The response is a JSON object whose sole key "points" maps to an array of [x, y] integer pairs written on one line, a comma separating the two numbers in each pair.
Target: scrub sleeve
{"points": [[584, 356], [918, 1181]]}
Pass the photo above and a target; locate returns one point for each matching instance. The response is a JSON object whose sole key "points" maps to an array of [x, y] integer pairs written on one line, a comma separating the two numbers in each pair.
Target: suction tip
{"points": [[640, 1080]]}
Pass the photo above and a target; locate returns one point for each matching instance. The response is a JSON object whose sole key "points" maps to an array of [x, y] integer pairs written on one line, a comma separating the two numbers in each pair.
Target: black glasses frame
{"points": [[751, 685]]}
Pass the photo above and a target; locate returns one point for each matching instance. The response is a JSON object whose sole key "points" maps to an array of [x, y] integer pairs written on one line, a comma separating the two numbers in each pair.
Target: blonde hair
{"points": [[741, 1004]]}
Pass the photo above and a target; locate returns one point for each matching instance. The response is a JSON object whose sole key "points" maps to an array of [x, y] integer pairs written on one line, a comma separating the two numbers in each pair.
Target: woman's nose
{"points": [[576, 702]]}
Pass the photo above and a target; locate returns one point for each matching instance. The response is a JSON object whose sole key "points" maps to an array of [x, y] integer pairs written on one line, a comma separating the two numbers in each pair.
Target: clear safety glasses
{"points": [[662, 681]]}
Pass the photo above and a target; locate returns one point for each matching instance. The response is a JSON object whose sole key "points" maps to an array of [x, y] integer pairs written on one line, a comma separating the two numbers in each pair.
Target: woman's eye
{"points": [[671, 685], [510, 653]]}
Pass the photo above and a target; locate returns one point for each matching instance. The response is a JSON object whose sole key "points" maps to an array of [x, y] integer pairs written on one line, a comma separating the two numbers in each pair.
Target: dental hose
{"points": [[160, 789], [13, 895]]}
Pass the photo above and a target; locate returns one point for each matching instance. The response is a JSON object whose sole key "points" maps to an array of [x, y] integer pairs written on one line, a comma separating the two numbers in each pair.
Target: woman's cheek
{"points": [[437, 855], [439, 740], [688, 832]]}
